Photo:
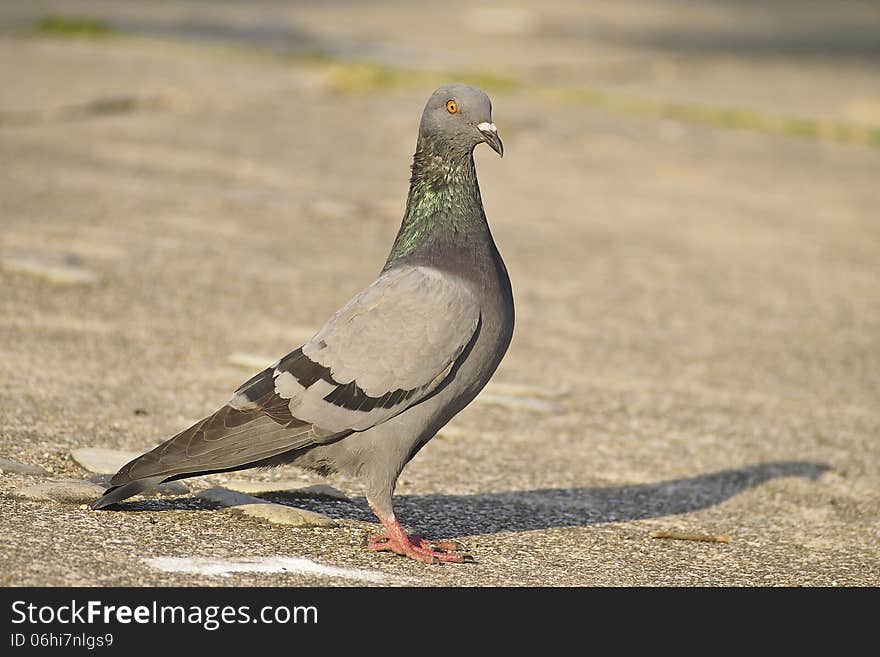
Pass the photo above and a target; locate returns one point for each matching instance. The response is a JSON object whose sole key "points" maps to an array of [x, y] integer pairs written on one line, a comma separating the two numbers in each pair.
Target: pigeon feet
{"points": [[395, 539]]}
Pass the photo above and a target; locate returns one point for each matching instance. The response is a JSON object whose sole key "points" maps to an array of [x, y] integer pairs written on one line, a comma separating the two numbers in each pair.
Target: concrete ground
{"points": [[688, 209]]}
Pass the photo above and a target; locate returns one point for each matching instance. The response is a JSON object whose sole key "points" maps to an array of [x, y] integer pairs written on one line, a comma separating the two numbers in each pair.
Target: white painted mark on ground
{"points": [[225, 567]]}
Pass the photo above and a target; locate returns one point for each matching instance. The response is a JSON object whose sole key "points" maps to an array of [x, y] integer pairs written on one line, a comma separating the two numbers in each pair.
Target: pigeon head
{"points": [[458, 117]]}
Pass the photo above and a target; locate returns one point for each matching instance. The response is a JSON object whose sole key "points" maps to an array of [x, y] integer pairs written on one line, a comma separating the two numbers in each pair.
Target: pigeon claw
{"points": [[445, 546], [416, 547]]}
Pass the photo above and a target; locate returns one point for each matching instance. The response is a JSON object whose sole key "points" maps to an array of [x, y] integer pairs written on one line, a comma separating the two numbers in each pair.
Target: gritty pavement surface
{"points": [[698, 303]]}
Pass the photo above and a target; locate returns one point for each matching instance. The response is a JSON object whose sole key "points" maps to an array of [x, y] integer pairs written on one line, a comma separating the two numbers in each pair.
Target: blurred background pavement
{"points": [[688, 207]]}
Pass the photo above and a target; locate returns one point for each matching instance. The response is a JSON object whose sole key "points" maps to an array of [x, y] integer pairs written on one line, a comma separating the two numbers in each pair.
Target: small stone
{"points": [[319, 491], [278, 514], [172, 488], [7, 465], [102, 461], [67, 491]]}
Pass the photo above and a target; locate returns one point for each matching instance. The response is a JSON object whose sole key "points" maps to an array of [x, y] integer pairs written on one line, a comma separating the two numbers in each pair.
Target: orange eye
{"points": [[451, 106]]}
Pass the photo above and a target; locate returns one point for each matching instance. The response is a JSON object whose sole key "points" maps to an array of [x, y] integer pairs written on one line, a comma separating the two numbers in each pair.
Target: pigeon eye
{"points": [[451, 107]]}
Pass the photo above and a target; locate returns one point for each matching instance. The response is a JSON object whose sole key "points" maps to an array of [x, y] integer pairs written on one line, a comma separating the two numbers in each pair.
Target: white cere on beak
{"points": [[486, 127]]}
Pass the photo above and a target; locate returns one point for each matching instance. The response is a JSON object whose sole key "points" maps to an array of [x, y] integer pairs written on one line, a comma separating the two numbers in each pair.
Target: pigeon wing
{"points": [[388, 348]]}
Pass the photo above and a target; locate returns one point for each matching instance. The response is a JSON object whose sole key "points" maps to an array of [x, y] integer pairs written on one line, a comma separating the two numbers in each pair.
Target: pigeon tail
{"points": [[227, 440], [116, 494]]}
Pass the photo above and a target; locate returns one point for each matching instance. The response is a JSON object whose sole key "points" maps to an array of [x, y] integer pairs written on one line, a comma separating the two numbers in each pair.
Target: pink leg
{"points": [[395, 539]]}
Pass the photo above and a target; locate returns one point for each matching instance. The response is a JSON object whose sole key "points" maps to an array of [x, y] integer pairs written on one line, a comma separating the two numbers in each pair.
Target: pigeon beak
{"points": [[490, 136]]}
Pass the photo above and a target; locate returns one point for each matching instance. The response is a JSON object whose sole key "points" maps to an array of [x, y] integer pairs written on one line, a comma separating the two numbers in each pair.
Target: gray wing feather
{"points": [[223, 440], [385, 350], [398, 333]]}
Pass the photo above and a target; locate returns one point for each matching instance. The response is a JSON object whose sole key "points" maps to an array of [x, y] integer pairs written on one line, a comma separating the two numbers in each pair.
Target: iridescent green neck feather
{"points": [[444, 205]]}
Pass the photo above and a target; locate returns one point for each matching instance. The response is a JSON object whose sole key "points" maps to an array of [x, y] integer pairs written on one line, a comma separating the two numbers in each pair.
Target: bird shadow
{"points": [[454, 516], [547, 508]]}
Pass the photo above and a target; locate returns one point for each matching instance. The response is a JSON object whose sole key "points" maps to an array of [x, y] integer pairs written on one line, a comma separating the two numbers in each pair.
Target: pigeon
{"points": [[393, 365]]}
